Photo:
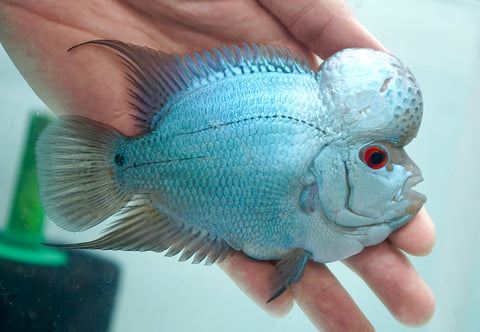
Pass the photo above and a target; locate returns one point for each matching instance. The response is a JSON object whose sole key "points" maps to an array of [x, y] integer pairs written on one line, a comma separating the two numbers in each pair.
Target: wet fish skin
{"points": [[244, 148]]}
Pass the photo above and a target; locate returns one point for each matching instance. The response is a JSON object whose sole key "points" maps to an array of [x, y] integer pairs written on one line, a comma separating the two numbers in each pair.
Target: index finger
{"points": [[324, 26], [417, 237]]}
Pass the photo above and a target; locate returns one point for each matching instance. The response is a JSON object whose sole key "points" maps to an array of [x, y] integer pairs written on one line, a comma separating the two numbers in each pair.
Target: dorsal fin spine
{"points": [[238, 55], [219, 60], [185, 72], [233, 69], [190, 64], [205, 73]]}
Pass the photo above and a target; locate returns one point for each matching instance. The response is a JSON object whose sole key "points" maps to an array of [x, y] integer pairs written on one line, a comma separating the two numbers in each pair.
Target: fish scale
{"points": [[210, 193], [242, 148]]}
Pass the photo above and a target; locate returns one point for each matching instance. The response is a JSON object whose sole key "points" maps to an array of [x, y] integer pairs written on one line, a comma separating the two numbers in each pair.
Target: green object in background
{"points": [[45, 288], [22, 238]]}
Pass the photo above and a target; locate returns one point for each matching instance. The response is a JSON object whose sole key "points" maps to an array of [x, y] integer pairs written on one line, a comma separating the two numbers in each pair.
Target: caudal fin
{"points": [[75, 173]]}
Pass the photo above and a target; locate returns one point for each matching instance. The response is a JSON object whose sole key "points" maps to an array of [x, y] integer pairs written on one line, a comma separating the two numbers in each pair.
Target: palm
{"points": [[78, 83], [90, 82]]}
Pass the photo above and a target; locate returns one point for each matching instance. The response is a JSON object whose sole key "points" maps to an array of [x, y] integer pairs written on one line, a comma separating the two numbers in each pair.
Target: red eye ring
{"points": [[375, 156]]}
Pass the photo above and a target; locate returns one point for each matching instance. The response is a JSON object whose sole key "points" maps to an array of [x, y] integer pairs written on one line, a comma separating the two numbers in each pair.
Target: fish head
{"points": [[366, 190], [363, 175]]}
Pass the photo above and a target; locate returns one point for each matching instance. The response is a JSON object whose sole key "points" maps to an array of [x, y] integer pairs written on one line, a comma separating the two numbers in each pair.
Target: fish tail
{"points": [[75, 171]]}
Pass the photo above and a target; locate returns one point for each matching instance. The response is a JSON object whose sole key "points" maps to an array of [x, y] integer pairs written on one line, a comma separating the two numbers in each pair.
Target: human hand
{"points": [[91, 83]]}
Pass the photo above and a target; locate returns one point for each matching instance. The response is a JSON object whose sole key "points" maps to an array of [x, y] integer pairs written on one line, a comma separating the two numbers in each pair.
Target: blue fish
{"points": [[242, 148]]}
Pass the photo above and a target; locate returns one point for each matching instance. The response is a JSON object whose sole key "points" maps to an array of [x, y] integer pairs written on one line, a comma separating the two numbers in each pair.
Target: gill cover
{"points": [[354, 194]]}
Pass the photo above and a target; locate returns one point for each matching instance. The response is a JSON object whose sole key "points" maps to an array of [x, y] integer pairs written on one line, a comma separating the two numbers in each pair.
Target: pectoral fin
{"points": [[289, 270]]}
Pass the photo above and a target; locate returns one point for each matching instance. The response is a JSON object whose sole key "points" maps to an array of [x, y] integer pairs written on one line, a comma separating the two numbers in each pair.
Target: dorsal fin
{"points": [[158, 77]]}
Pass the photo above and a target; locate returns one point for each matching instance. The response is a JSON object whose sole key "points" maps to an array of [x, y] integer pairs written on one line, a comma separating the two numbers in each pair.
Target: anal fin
{"points": [[289, 270], [142, 227]]}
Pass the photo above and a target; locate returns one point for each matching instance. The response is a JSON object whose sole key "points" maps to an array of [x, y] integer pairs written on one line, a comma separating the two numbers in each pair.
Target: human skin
{"points": [[90, 82]]}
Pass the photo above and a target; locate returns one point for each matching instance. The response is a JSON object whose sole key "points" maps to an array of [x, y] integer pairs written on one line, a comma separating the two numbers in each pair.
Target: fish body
{"points": [[244, 148]]}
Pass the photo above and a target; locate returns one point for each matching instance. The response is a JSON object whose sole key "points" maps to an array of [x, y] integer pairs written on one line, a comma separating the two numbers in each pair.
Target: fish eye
{"points": [[374, 156]]}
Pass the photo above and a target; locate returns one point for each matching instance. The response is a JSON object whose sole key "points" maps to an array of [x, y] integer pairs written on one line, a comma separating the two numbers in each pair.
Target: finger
{"points": [[254, 279], [390, 275], [326, 303], [324, 26], [417, 237]]}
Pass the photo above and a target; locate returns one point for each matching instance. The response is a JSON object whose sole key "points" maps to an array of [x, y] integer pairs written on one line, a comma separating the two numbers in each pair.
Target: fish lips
{"points": [[417, 199]]}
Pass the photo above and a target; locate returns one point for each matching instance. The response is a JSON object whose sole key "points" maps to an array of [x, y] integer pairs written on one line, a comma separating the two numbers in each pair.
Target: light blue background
{"points": [[440, 42]]}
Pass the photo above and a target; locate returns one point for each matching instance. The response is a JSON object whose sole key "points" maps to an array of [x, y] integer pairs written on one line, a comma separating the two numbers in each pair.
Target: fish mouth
{"points": [[405, 193], [408, 193]]}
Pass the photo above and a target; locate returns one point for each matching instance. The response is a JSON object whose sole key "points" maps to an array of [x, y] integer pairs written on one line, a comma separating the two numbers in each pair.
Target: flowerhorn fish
{"points": [[243, 148]]}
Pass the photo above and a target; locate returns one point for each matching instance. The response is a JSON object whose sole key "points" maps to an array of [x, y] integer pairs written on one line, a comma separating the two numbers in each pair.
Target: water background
{"points": [[440, 42]]}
